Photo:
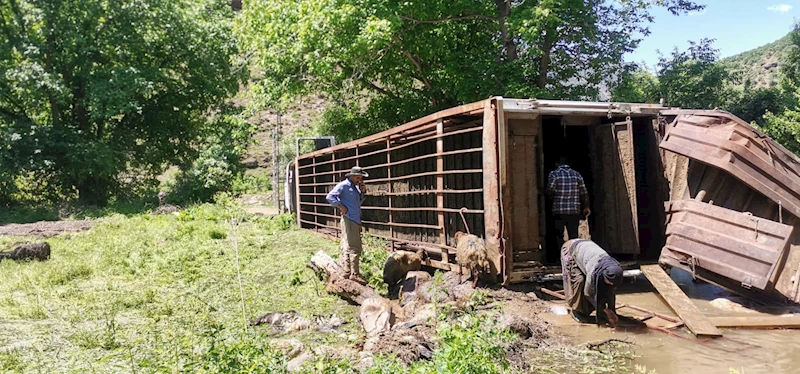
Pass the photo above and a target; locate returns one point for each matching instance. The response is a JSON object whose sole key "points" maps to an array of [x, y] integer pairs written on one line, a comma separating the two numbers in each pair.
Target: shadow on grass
{"points": [[31, 214]]}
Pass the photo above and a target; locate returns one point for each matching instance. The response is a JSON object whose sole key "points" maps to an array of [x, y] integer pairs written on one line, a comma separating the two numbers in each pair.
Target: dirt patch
{"points": [[407, 345], [259, 204], [45, 228]]}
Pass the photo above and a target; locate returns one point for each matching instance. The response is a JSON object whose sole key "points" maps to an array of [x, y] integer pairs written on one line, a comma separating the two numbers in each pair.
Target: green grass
{"points": [[159, 294], [142, 294]]}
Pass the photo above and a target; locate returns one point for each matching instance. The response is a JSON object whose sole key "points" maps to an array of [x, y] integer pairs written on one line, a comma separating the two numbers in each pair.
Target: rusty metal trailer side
{"points": [[424, 172], [421, 175], [745, 176]]}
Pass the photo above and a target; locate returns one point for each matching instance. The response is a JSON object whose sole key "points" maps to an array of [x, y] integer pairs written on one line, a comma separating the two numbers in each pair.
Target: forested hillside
{"points": [[761, 66]]}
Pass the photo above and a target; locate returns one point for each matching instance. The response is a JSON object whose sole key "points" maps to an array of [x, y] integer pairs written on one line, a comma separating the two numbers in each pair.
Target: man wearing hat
{"points": [[347, 196]]}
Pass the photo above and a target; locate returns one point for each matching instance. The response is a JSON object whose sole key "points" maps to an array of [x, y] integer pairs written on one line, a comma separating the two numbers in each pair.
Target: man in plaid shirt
{"points": [[570, 198]]}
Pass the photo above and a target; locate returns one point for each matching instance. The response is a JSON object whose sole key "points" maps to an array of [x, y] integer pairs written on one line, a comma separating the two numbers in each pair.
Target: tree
{"points": [[394, 61], [752, 104], [693, 78], [97, 92], [636, 85]]}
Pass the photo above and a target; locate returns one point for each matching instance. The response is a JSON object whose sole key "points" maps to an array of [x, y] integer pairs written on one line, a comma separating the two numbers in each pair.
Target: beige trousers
{"points": [[351, 246]]}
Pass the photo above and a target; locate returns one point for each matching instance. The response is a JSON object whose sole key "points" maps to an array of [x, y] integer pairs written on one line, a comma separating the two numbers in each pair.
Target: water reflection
{"points": [[748, 351]]}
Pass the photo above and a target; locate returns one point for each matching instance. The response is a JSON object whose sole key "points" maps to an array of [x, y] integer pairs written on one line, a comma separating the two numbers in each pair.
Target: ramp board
{"points": [[697, 323], [758, 322]]}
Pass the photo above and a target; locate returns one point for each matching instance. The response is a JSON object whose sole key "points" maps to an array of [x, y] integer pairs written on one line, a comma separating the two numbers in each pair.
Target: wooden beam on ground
{"points": [[757, 322], [553, 293], [697, 323]]}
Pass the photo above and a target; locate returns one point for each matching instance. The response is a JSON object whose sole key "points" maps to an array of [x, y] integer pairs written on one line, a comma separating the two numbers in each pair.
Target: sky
{"points": [[737, 26]]}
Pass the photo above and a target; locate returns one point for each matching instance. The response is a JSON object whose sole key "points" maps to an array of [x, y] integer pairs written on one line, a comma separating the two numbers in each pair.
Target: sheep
{"points": [[471, 253], [399, 264]]}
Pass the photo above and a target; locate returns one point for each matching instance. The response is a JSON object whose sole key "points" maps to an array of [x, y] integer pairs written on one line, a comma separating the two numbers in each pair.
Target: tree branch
{"points": [[422, 78], [461, 18], [378, 88]]}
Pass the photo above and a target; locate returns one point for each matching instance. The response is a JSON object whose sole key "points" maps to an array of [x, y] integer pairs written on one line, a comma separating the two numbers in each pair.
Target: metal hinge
{"points": [[746, 285]]}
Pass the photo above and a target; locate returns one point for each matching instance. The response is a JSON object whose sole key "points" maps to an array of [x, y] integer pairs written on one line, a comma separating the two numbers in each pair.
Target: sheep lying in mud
{"points": [[471, 253]]}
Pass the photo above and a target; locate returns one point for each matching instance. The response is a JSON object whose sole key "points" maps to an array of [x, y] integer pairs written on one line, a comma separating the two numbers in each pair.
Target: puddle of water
{"points": [[748, 351]]}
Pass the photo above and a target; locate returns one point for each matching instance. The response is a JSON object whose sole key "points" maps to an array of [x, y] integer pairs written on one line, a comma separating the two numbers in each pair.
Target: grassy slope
{"points": [[751, 63], [155, 292]]}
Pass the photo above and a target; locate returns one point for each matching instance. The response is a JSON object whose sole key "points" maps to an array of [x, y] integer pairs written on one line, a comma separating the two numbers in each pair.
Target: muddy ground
{"points": [[45, 229]]}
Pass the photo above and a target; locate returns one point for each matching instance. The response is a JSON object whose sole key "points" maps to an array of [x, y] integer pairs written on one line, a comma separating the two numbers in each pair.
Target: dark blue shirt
{"points": [[348, 194]]}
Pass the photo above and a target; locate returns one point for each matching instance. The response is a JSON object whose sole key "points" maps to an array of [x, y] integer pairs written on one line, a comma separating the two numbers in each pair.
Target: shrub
{"points": [[217, 164]]}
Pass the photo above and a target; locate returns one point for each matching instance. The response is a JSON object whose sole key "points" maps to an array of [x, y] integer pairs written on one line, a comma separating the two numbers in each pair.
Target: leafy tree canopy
{"points": [[94, 92], [692, 78], [393, 61]]}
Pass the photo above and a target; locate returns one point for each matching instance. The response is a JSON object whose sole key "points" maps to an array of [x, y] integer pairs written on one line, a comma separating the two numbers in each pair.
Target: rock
{"points": [[559, 310], [365, 361], [166, 209], [420, 316], [376, 315], [730, 306], [329, 324], [250, 163], [290, 347], [28, 251], [289, 321], [296, 364], [770, 65], [407, 345], [410, 286]]}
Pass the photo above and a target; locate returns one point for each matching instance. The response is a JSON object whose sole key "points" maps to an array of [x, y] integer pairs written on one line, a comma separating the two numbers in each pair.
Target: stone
{"points": [[376, 315], [296, 364], [250, 163], [290, 347]]}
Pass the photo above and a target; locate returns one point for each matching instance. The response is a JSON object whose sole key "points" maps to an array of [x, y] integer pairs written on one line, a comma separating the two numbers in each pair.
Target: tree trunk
{"points": [[321, 263], [376, 314], [503, 11], [544, 63]]}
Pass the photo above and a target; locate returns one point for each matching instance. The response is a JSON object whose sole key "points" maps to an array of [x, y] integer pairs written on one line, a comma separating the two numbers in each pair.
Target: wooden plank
{"points": [[297, 191], [680, 303], [491, 180], [757, 322], [389, 176], [523, 165], [506, 212]]}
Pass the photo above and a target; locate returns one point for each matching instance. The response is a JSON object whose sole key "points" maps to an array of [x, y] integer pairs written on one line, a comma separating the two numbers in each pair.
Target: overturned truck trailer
{"points": [[491, 159], [734, 204]]}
